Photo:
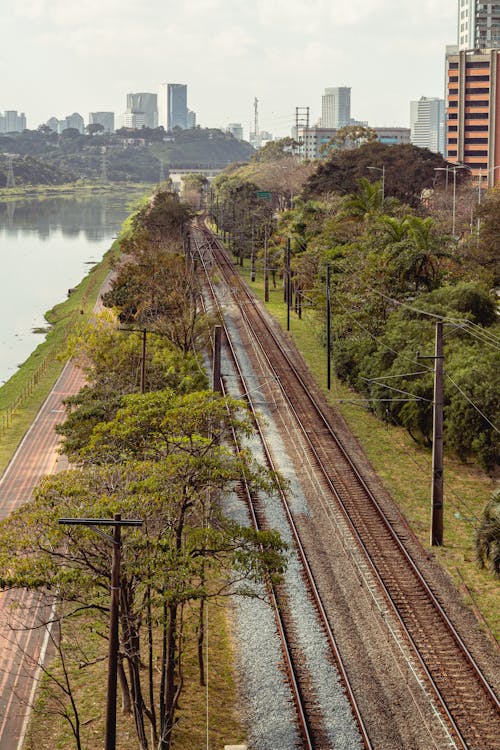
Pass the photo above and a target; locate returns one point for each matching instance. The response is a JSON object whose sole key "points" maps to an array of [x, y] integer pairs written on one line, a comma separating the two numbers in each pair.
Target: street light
{"points": [[382, 170], [453, 169]]}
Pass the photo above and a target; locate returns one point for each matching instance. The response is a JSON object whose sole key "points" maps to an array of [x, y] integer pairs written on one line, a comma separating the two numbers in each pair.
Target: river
{"points": [[46, 247]]}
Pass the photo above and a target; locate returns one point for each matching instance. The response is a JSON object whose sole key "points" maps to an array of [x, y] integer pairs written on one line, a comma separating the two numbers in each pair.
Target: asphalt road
{"points": [[20, 648]]}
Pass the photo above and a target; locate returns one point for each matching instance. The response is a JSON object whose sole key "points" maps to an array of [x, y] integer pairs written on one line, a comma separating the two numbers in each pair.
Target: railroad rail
{"points": [[307, 719], [467, 701]]}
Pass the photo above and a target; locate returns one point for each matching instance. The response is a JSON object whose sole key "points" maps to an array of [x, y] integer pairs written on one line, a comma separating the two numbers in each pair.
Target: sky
{"points": [[62, 56]]}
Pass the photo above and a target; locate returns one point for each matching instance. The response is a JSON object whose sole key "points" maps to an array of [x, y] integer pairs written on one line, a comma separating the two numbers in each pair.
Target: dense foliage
{"points": [[43, 157], [164, 455]]}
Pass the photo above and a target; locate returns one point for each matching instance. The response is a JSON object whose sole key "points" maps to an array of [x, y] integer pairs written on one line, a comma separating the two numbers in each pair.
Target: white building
{"points": [[106, 119], [478, 25], [134, 120], [336, 107], [236, 130], [75, 121], [12, 122], [427, 123]]}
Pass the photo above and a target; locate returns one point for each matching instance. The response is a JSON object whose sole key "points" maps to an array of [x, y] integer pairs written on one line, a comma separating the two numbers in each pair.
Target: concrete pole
{"points": [[437, 443]]}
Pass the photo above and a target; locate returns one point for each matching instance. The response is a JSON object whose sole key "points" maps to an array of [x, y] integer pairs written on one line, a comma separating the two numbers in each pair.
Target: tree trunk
{"points": [[124, 688]]}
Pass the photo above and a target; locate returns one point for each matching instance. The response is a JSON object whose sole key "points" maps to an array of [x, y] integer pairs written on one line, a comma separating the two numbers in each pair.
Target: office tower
{"points": [[143, 104], [106, 119], [473, 108], [236, 130], [11, 122], [427, 123], [75, 121], [336, 107], [163, 105], [177, 110], [478, 25], [190, 119]]}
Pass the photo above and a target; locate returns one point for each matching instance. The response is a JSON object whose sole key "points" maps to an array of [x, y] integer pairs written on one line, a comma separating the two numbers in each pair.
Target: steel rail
{"points": [[300, 548], [430, 595]]}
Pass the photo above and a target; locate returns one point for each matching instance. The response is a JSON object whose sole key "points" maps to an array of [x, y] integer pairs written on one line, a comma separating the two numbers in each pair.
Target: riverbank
{"points": [[83, 189], [22, 395]]}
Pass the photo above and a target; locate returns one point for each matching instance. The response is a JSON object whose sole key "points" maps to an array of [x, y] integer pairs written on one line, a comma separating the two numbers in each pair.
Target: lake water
{"points": [[46, 247]]}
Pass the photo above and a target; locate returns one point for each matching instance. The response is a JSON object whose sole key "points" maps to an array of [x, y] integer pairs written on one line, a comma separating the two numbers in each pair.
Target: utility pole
{"points": [[437, 442], [143, 362], [266, 267], [256, 122], [216, 363], [117, 523], [288, 284], [328, 331]]}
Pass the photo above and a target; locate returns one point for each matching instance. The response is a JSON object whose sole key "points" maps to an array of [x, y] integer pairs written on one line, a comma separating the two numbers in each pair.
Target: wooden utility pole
{"points": [[437, 442]]}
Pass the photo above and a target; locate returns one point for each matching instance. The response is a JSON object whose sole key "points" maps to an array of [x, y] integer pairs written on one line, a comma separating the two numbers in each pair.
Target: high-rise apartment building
{"points": [[177, 111], [478, 25], [427, 124], [336, 107], [106, 119], [473, 111], [236, 130], [144, 104], [12, 122]]}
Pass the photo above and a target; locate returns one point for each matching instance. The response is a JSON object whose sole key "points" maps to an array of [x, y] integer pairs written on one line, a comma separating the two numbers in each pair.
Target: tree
{"points": [[276, 150], [488, 536], [348, 137], [161, 462], [93, 128], [409, 170]]}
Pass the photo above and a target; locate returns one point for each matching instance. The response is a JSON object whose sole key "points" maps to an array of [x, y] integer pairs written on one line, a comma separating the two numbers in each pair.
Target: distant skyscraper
{"points": [[75, 121], [427, 123], [146, 104], [478, 25], [236, 130], [12, 122], [176, 105], [336, 107], [106, 119], [190, 119]]}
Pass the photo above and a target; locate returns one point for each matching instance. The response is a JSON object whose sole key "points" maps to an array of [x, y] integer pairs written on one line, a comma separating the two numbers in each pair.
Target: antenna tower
{"points": [[256, 122]]}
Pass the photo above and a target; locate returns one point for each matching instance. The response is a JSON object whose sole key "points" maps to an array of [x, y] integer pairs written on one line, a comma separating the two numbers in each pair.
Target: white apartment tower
{"points": [[478, 25], [336, 107], [427, 123]]}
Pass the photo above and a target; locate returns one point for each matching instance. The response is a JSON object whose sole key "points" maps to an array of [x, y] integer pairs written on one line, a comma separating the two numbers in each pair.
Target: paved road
{"points": [[35, 457]]}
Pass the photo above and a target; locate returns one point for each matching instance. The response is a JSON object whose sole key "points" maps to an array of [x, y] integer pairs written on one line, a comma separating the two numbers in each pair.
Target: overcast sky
{"points": [[62, 56]]}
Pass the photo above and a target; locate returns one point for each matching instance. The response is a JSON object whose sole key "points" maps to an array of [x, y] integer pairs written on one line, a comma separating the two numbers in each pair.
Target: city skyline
{"points": [[87, 57]]}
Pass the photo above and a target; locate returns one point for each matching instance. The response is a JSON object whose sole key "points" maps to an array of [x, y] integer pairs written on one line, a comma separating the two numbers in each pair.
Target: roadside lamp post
{"points": [[115, 540], [382, 171], [453, 169]]}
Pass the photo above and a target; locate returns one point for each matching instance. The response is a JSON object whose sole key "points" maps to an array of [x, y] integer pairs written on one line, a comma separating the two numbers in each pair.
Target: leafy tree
{"points": [[488, 536], [350, 136], [93, 128], [409, 170], [276, 150]]}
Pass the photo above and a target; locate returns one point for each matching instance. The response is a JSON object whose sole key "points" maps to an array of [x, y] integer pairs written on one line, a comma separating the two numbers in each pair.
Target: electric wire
{"points": [[471, 402]]}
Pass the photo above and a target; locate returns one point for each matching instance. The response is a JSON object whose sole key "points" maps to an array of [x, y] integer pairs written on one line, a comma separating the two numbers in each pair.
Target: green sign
{"points": [[264, 195]]}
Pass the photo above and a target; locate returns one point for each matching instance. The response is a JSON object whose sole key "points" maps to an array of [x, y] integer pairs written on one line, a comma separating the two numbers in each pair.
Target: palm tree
{"points": [[418, 254], [367, 201], [488, 536]]}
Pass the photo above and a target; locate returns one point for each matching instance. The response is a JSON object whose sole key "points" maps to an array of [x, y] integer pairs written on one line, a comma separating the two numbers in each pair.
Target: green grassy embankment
{"points": [[23, 394], [405, 469], [73, 189]]}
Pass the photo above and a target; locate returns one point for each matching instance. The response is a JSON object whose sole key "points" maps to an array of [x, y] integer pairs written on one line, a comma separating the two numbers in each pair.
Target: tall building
{"points": [[144, 104], [478, 25], [106, 119], [427, 124], [11, 122], [75, 121], [190, 119], [336, 107], [473, 111], [236, 130], [177, 111]]}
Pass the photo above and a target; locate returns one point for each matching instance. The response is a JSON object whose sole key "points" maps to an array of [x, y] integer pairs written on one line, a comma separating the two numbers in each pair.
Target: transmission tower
{"points": [[104, 166], [256, 122], [11, 181]]}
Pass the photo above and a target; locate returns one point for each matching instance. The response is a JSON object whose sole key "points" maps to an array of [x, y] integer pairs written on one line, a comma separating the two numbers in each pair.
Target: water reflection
{"points": [[46, 247], [92, 218]]}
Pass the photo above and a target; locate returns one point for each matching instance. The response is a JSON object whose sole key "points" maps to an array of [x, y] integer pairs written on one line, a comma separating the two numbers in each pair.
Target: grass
{"points": [[405, 469], [72, 189], [23, 394], [49, 730]]}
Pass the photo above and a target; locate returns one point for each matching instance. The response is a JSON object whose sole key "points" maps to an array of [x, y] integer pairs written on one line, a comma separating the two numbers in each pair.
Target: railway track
{"points": [[468, 704]]}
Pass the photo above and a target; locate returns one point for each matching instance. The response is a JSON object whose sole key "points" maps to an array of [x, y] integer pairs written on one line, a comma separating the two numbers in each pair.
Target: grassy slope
{"points": [[405, 469]]}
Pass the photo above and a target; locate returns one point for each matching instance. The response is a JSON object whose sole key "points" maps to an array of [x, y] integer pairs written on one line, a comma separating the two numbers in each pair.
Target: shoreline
{"points": [[71, 189]]}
